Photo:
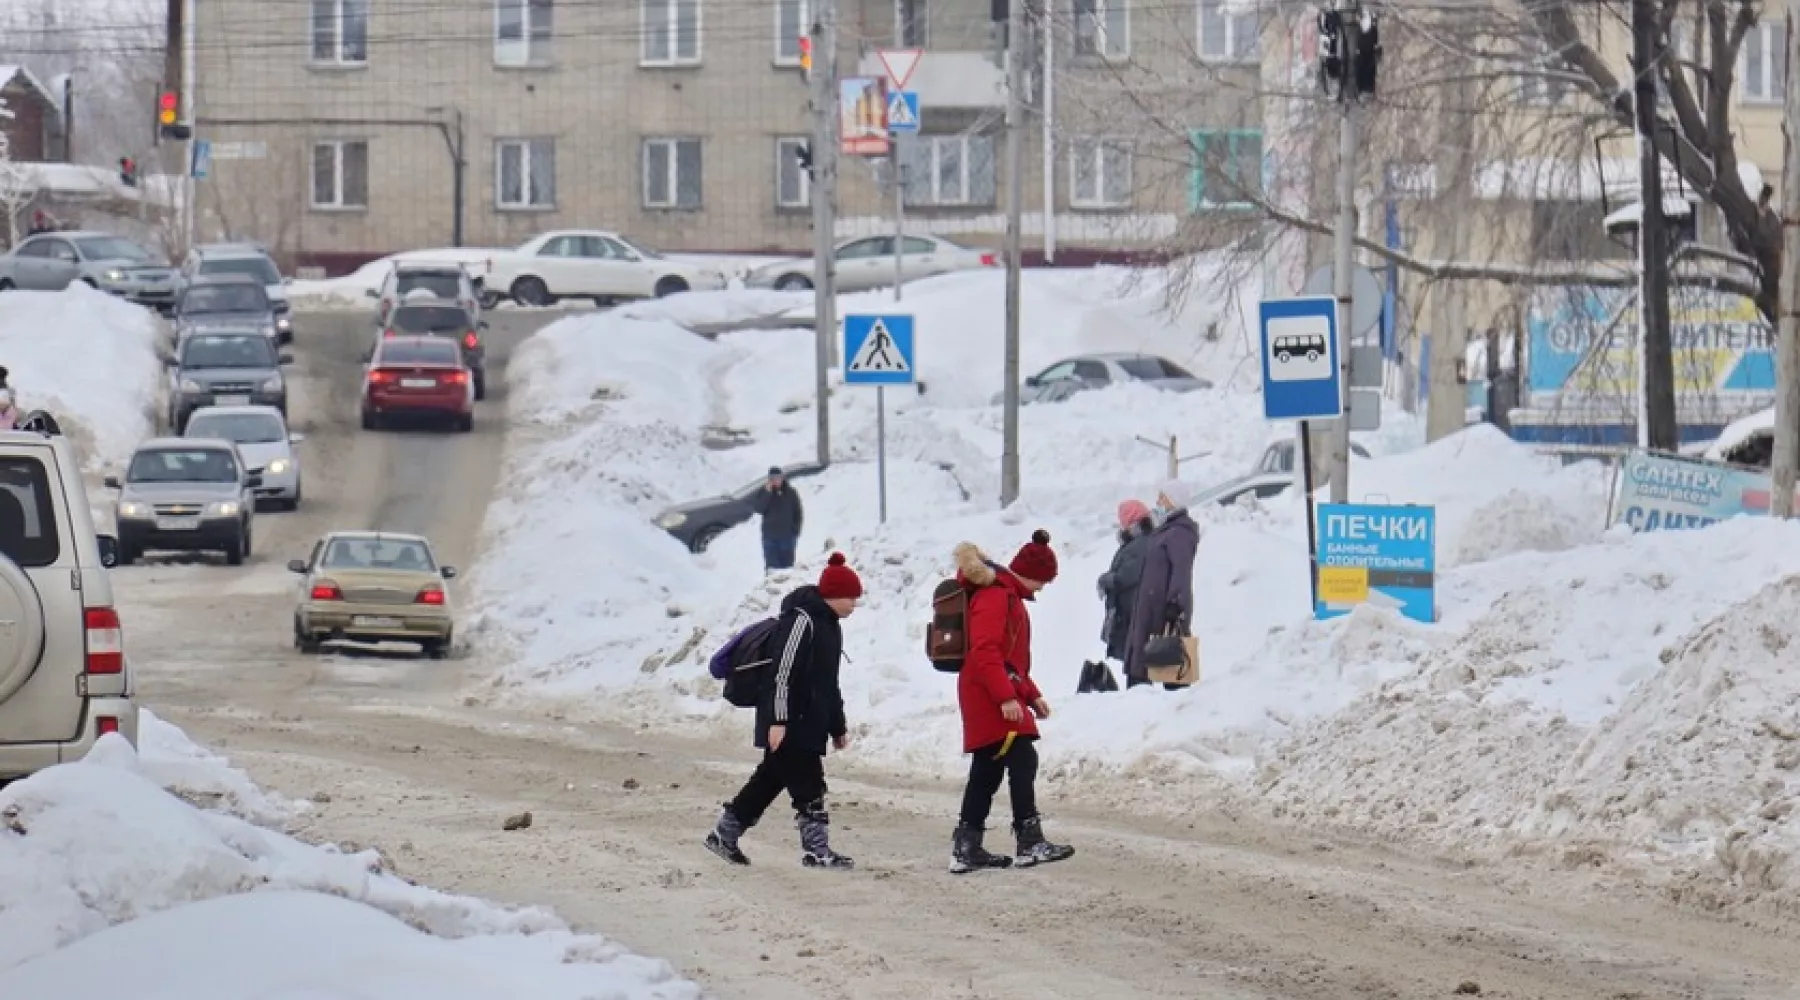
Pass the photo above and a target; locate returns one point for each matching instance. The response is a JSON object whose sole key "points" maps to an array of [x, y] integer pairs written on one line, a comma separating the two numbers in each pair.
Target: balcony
{"points": [[949, 80]]}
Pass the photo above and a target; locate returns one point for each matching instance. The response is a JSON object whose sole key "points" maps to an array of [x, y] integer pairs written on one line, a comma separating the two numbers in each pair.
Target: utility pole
{"points": [[1047, 116], [1446, 409], [1655, 355], [189, 189], [1342, 260], [1015, 207], [1785, 464], [823, 189]]}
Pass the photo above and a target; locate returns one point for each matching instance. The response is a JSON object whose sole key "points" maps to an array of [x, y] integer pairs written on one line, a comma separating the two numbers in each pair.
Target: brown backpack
{"points": [[947, 637]]}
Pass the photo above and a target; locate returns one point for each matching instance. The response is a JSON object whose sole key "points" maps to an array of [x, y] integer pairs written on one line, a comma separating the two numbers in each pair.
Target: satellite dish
{"points": [[1365, 296]]}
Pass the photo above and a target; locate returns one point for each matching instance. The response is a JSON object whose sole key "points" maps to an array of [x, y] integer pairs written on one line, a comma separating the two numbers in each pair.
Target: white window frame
{"points": [[1093, 149], [935, 144], [337, 202], [529, 50], [673, 8], [1110, 49], [530, 202], [786, 148], [674, 143], [1235, 23], [1767, 35], [803, 8], [337, 57]]}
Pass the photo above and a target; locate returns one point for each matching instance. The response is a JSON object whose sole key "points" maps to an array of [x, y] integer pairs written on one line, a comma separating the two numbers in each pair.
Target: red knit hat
{"points": [[1035, 561], [837, 579]]}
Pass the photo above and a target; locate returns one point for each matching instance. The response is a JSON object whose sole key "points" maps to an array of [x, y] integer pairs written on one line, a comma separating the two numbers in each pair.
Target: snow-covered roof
{"points": [[81, 181], [1630, 215], [7, 73], [1543, 179]]}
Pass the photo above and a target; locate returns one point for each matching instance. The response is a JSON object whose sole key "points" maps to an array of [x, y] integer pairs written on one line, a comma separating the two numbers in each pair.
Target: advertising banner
{"points": [[862, 116], [1377, 554], [1666, 493]]}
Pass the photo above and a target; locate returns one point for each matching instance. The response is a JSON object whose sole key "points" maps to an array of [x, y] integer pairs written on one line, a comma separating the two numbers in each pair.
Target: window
{"points": [[793, 187], [414, 352], [229, 351], [915, 32], [188, 465], [379, 553], [258, 268], [913, 244], [873, 246], [1102, 29], [672, 173], [1092, 371], [443, 284], [1099, 173], [525, 174], [340, 32], [1227, 169], [28, 532], [791, 22], [243, 428], [671, 32], [1152, 368], [340, 174], [948, 170], [111, 248], [522, 30], [422, 320], [1228, 34], [1764, 59]]}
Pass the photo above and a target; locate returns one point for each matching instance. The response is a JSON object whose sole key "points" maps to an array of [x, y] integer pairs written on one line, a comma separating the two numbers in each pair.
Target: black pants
{"points": [[1017, 764], [800, 772]]}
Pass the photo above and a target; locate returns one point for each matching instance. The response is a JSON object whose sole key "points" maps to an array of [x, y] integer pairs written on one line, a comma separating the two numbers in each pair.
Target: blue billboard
{"points": [[1377, 554], [1665, 493]]}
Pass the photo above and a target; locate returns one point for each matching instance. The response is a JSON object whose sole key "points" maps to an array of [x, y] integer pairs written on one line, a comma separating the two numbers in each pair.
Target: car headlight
{"points": [[268, 330], [272, 384], [671, 520], [134, 510], [189, 385], [224, 508], [283, 321], [114, 275], [277, 467]]}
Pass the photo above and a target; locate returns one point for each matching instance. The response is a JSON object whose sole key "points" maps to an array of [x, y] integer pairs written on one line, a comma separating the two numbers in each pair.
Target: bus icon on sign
{"points": [[1299, 350]]}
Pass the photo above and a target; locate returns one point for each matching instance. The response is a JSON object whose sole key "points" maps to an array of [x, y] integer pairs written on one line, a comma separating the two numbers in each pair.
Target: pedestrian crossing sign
{"points": [[879, 350], [903, 111]]}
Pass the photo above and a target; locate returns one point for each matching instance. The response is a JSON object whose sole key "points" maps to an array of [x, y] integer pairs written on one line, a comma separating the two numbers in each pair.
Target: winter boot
{"points": [[723, 840], [967, 854], [815, 840], [1034, 849]]}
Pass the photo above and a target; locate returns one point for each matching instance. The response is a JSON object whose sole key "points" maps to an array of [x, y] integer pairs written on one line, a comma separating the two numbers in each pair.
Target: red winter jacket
{"points": [[998, 666]]}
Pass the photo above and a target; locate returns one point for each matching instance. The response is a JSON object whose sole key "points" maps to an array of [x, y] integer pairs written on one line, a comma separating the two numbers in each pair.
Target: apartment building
{"points": [[346, 129]]}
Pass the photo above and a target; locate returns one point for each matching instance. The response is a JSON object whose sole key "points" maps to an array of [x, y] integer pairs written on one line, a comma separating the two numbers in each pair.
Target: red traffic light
{"points": [[168, 108]]}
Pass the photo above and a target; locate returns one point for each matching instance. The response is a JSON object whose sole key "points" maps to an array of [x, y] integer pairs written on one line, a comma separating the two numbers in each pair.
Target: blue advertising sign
{"points": [[1300, 373], [1665, 493], [1377, 554], [203, 155]]}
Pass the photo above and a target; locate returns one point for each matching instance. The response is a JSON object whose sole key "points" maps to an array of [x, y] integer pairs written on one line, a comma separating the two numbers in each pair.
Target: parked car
{"points": [[415, 319], [248, 260], [54, 261], [186, 495], [590, 264], [261, 434], [1748, 441], [225, 368], [64, 677], [408, 280], [367, 586], [1097, 371], [1272, 476], [868, 262], [418, 377], [231, 301], [697, 523]]}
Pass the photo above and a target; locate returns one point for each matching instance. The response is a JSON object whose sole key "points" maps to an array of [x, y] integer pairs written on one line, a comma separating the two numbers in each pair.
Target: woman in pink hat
{"points": [[1118, 590]]}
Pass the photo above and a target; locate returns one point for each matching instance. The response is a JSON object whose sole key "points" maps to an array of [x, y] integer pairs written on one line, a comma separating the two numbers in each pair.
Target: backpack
{"points": [[743, 664], [947, 637]]}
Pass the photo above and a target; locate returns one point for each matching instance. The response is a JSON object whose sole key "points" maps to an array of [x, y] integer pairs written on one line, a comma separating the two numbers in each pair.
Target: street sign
{"points": [[862, 116], [879, 349], [1366, 296], [899, 64], [903, 112], [1377, 554], [1300, 359], [202, 164]]}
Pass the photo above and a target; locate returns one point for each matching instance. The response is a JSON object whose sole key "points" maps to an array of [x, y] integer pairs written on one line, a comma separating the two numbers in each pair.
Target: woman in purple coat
{"points": [[1167, 591]]}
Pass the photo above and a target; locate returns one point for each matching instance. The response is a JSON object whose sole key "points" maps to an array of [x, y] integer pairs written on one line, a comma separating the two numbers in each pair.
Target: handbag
{"points": [[1172, 656]]}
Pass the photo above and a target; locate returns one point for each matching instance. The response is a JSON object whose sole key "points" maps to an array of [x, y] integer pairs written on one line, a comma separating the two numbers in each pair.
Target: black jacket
{"points": [[780, 510], [1119, 587], [803, 692]]}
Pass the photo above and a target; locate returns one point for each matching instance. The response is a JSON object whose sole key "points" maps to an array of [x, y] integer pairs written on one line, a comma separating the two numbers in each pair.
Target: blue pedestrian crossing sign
{"points": [[1300, 373], [903, 111], [879, 350], [202, 164]]}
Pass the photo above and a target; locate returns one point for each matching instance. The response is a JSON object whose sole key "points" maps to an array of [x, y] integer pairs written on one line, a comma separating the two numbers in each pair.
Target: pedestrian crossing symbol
{"points": [[879, 350], [903, 111]]}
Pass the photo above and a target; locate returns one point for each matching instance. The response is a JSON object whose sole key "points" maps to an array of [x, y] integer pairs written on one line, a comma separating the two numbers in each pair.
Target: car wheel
{"points": [[128, 554], [793, 283], [302, 641], [6, 285], [465, 423], [235, 551], [704, 538], [435, 649], [368, 420], [531, 292], [480, 385], [670, 285]]}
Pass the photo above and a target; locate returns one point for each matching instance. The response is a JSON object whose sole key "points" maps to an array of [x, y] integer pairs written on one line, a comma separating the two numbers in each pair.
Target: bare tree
{"points": [[264, 204], [18, 182]]}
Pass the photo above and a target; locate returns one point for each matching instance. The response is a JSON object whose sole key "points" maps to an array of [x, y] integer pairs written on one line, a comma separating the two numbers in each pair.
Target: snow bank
{"points": [[101, 869], [90, 359]]}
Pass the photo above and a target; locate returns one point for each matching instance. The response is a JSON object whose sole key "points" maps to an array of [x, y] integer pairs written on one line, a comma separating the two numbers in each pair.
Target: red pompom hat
{"points": [[837, 579], [1035, 561]]}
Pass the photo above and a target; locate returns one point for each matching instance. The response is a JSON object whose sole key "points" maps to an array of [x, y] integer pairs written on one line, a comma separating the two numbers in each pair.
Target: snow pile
{"points": [[52, 344], [100, 869]]}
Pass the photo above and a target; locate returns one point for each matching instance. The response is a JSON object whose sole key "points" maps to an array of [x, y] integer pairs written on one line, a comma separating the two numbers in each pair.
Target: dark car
{"points": [[230, 301], [450, 321], [1097, 371], [697, 522], [225, 368]]}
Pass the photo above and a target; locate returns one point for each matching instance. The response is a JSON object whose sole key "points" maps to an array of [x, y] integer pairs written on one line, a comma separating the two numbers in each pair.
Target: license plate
{"points": [[178, 524], [369, 621], [418, 383], [232, 401]]}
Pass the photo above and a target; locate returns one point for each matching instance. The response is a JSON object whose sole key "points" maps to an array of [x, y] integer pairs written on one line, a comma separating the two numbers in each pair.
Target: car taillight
{"points": [[105, 724], [379, 375], [989, 260], [105, 641], [326, 592], [454, 378], [470, 340], [430, 595], [388, 333]]}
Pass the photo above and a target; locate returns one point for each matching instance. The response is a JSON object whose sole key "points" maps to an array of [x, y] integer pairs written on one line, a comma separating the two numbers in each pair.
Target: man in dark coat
{"points": [[1167, 589], [779, 506], [801, 711]]}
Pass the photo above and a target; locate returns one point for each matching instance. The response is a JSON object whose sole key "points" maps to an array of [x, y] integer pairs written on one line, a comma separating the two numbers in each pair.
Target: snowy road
{"points": [[1219, 907]]}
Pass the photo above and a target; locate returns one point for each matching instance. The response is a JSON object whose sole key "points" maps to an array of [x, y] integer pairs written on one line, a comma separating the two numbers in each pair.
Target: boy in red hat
{"points": [[998, 701], [801, 710]]}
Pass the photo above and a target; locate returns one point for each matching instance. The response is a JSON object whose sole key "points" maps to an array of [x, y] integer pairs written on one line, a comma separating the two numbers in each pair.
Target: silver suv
{"points": [[246, 260], [64, 680]]}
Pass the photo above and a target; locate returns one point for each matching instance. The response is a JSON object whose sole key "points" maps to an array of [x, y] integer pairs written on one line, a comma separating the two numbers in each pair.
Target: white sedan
{"points": [[868, 262], [590, 264], [262, 437]]}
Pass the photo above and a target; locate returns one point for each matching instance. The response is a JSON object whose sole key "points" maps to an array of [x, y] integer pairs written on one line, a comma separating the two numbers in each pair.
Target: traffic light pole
{"points": [[823, 190], [188, 188], [1014, 55]]}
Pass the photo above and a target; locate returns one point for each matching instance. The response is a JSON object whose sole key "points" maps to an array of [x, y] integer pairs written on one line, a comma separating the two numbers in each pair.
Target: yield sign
{"points": [[899, 64]]}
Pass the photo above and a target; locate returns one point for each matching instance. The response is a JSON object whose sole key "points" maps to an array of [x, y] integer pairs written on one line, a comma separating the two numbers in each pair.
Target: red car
{"points": [[418, 377]]}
